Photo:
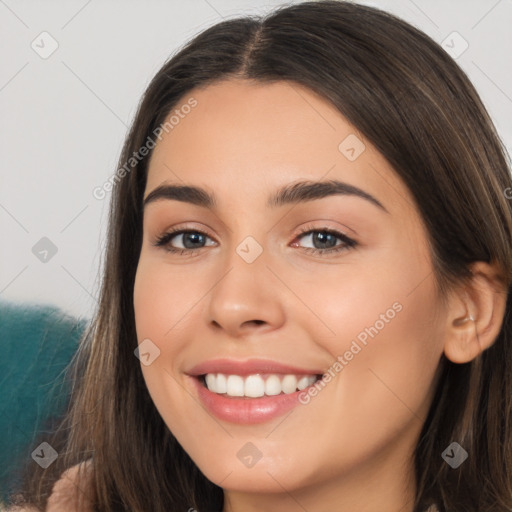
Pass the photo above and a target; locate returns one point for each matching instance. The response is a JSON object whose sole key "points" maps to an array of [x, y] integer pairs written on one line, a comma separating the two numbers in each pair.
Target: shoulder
{"points": [[72, 490]]}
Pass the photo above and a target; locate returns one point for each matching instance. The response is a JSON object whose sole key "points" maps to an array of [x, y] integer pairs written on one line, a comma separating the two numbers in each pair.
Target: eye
{"points": [[325, 238], [190, 240]]}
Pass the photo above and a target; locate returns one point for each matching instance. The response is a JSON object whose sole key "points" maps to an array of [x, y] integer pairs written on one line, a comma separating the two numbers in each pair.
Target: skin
{"points": [[350, 448]]}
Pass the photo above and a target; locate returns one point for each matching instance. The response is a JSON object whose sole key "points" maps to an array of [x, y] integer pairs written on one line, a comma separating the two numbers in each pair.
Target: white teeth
{"points": [[254, 386], [272, 385], [235, 386], [210, 381], [221, 384], [289, 384], [303, 383]]}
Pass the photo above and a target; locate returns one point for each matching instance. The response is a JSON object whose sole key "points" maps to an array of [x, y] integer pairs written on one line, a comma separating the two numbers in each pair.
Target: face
{"points": [[337, 283]]}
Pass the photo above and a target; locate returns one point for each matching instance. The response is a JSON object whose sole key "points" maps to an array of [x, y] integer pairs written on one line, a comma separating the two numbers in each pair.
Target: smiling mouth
{"points": [[256, 385]]}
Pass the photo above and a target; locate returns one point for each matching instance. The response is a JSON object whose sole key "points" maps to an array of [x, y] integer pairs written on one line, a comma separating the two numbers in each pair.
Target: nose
{"points": [[247, 298]]}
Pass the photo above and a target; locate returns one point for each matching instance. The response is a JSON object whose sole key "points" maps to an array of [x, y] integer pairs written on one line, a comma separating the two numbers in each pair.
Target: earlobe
{"points": [[475, 314]]}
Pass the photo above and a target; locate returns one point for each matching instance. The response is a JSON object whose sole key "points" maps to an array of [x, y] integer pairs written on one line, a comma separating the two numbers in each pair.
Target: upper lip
{"points": [[248, 367]]}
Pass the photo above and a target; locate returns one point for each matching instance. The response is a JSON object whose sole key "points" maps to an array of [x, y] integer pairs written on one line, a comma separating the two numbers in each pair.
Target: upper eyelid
{"points": [[303, 232], [345, 230]]}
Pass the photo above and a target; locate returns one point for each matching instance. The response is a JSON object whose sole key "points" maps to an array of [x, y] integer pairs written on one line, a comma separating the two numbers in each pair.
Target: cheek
{"points": [[164, 297], [158, 308], [386, 294], [160, 302], [385, 352], [385, 342]]}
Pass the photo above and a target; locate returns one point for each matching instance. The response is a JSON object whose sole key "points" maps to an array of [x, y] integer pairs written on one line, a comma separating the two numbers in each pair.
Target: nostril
{"points": [[258, 322], [253, 322]]}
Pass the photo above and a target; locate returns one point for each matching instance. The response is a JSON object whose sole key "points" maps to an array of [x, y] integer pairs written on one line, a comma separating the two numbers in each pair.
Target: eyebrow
{"points": [[289, 194]]}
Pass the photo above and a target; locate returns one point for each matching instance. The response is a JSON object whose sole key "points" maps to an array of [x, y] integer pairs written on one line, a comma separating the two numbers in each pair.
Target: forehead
{"points": [[254, 137]]}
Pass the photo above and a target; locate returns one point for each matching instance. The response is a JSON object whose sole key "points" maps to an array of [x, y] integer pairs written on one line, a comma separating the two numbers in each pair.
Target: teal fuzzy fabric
{"points": [[38, 342]]}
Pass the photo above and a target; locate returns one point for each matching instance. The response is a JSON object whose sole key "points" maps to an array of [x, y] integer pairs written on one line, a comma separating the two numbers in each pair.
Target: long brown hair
{"points": [[413, 102]]}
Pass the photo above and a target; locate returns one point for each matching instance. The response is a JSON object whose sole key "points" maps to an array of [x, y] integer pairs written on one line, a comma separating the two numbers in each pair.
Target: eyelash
{"points": [[348, 243]]}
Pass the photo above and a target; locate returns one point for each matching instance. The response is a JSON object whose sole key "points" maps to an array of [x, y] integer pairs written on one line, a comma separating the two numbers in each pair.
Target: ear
{"points": [[475, 314]]}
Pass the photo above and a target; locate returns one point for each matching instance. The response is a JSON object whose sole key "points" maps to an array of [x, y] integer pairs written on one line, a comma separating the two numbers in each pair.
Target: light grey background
{"points": [[64, 117]]}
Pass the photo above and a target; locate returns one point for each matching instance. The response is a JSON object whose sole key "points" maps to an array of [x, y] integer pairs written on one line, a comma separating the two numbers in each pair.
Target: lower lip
{"points": [[246, 411]]}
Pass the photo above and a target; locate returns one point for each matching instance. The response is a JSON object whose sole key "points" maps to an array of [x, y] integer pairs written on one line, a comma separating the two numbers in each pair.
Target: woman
{"points": [[340, 336]]}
